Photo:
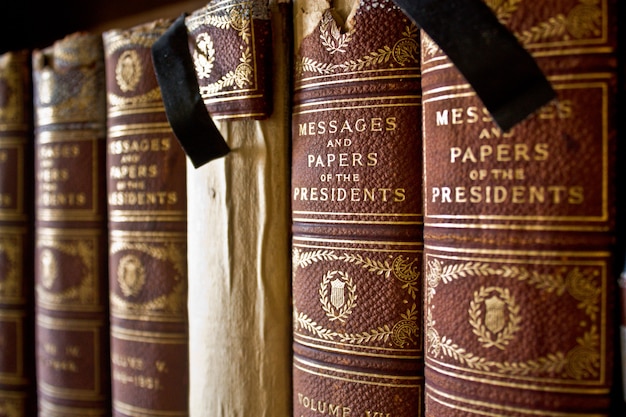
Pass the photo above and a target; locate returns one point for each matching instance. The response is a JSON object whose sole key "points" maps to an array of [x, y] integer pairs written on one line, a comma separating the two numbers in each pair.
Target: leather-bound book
{"points": [[17, 353], [356, 199], [147, 234], [70, 228], [238, 255], [622, 336], [230, 44], [519, 226], [621, 126]]}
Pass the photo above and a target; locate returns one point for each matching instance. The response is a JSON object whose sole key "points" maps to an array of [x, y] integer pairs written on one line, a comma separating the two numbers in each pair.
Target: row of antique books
{"points": [[305, 208], [93, 231], [94, 225]]}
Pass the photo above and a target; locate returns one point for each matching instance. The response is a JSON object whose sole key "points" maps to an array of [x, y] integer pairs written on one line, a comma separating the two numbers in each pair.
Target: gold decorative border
{"points": [[94, 329], [56, 103], [231, 16], [580, 282], [81, 295], [172, 303], [355, 376], [584, 25], [598, 83], [135, 39], [404, 51], [402, 333]]}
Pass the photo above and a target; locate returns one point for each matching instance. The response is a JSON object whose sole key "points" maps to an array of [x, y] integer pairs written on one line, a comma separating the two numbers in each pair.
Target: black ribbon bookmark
{"points": [[504, 75], [184, 107]]}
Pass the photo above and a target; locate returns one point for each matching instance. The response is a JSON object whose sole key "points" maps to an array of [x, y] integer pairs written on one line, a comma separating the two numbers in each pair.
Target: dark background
{"points": [[33, 24]]}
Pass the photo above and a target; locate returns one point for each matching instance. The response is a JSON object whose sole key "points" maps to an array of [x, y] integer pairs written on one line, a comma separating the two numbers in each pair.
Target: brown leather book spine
{"points": [[230, 43], [17, 354], [147, 227], [519, 227], [357, 212], [70, 228]]}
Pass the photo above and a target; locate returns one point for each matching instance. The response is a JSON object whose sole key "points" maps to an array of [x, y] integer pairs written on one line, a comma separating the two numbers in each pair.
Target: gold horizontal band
{"points": [[365, 378], [416, 245], [366, 351], [389, 74], [147, 217], [482, 408], [140, 129], [93, 395], [142, 336], [84, 135], [131, 410], [148, 235], [524, 253], [134, 109], [12, 140], [54, 410], [53, 323], [69, 233]]}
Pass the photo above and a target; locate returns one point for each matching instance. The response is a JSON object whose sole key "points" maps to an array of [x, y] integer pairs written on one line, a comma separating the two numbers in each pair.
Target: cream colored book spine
{"points": [[239, 262]]}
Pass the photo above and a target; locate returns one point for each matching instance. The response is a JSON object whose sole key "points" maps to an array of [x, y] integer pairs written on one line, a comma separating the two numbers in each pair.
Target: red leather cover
{"points": [[17, 354], [357, 216], [520, 227], [231, 46], [147, 228], [70, 234]]}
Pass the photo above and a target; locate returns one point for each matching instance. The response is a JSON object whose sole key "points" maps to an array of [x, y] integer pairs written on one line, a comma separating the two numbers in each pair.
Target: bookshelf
{"points": [[37, 23]]}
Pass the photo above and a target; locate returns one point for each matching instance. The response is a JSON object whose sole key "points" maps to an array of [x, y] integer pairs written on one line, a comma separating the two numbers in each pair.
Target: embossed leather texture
{"points": [[520, 227], [17, 356], [147, 207], [231, 47], [71, 275], [356, 202]]}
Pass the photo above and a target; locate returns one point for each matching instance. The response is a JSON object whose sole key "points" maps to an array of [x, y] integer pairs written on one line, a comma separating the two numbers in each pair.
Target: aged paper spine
{"points": [[70, 230], [357, 212], [239, 237], [147, 232], [519, 227], [17, 360]]}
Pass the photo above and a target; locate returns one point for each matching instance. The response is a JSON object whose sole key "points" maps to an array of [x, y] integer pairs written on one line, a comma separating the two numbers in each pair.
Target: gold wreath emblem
{"points": [[49, 268], [131, 275], [498, 327], [204, 56], [128, 70], [339, 303]]}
